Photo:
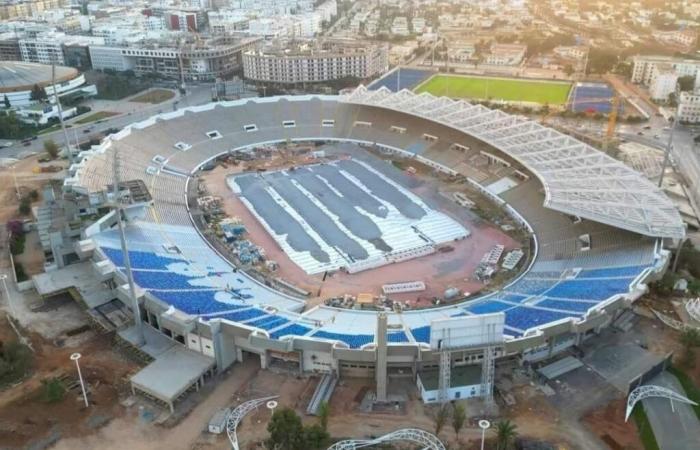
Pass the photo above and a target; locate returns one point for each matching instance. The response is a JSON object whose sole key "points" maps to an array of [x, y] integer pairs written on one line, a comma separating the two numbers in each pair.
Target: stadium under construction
{"points": [[597, 231]]}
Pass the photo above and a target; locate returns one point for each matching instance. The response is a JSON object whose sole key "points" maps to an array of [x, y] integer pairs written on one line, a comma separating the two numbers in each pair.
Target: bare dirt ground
{"points": [[439, 271], [28, 178], [609, 425], [24, 415]]}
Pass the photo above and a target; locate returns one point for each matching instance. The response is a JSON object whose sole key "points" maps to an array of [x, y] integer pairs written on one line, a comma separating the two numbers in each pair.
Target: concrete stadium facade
{"points": [[175, 146]]}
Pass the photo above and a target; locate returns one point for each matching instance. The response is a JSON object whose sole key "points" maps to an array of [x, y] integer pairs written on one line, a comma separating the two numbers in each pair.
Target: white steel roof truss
{"points": [[578, 179]]}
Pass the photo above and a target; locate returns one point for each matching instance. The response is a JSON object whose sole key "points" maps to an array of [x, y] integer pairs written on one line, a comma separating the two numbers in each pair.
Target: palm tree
{"points": [[441, 417], [690, 338], [459, 415], [505, 433], [323, 413]]}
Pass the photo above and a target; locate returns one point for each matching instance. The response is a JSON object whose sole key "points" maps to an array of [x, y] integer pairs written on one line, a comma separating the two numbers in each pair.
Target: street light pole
{"points": [[3, 277], [75, 357], [14, 178], [484, 425]]}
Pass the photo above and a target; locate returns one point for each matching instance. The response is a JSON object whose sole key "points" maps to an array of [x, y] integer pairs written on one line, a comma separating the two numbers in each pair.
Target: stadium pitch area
{"points": [[507, 89]]}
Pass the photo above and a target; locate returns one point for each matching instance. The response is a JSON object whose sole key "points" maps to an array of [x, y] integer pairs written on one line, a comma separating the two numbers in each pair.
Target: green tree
{"points": [[38, 93], [505, 434], [286, 431], [323, 414], [569, 70], [25, 206], [459, 415], [51, 148], [686, 83], [53, 390], [601, 61], [315, 438], [7, 102], [690, 338], [441, 416]]}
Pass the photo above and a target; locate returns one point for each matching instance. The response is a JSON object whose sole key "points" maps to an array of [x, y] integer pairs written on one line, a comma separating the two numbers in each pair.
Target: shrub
{"points": [[53, 390], [51, 148], [25, 206], [20, 273], [15, 362]]}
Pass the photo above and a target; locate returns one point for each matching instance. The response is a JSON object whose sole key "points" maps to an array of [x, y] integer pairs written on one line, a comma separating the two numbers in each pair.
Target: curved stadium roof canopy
{"points": [[578, 179]]}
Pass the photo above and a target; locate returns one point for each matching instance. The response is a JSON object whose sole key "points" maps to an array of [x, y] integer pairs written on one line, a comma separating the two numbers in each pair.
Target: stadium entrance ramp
{"points": [[172, 373]]}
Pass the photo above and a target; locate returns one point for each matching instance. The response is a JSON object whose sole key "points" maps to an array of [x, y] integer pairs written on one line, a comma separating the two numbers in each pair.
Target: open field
{"points": [[99, 115], [154, 96], [483, 88]]}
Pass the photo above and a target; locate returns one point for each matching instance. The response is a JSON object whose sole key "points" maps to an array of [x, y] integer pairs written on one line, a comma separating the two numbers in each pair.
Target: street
{"points": [[196, 95]]}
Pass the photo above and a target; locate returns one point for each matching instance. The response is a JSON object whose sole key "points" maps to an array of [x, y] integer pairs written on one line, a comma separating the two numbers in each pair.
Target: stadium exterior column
{"points": [[380, 366]]}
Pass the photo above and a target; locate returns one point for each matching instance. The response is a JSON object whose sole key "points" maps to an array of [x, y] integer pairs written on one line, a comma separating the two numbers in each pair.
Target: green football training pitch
{"points": [[484, 88]]}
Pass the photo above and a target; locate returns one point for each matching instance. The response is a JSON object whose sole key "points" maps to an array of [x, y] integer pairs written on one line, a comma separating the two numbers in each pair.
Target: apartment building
{"points": [[44, 49], [29, 8], [310, 64], [643, 67], [689, 107], [664, 80], [506, 54], [204, 60]]}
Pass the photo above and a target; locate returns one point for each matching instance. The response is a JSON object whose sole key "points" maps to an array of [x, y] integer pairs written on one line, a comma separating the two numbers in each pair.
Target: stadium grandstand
{"points": [[598, 230]]}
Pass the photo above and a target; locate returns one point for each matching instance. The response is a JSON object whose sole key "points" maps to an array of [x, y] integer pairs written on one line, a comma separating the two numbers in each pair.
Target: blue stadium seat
{"points": [[353, 340], [162, 280], [139, 260], [268, 323], [244, 314], [599, 289], [421, 334], [293, 329], [489, 306], [396, 337], [566, 305], [195, 302], [523, 317], [531, 287], [629, 271]]}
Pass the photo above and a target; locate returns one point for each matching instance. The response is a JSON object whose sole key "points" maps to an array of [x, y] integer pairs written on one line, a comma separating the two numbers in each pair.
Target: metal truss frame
{"points": [[668, 321], [237, 414], [693, 308], [424, 439], [651, 390], [578, 179]]}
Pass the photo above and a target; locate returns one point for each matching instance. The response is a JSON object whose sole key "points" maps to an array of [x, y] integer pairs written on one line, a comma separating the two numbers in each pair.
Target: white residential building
{"points": [[684, 38], [307, 64], [506, 54], [400, 26], [576, 52], [664, 79], [689, 107], [45, 49], [643, 68]]}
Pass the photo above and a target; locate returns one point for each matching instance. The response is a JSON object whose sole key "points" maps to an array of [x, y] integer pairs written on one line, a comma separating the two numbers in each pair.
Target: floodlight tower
{"points": [[136, 311], [380, 367]]}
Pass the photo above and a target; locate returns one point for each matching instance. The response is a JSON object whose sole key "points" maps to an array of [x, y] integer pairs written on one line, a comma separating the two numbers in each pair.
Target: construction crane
{"points": [[612, 117]]}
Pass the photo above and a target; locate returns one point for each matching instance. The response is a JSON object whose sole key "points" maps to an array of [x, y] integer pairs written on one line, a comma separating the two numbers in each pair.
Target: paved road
{"points": [[675, 425], [196, 95]]}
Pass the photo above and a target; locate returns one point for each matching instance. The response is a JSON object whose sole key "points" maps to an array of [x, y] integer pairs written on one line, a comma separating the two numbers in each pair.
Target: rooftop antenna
{"points": [[138, 323]]}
